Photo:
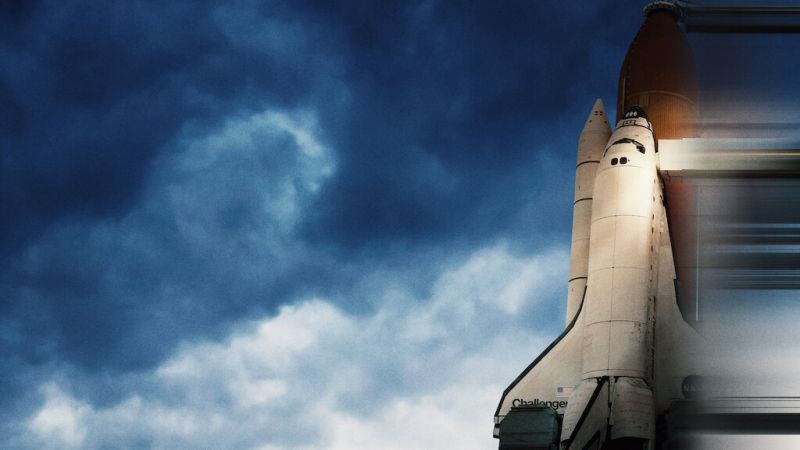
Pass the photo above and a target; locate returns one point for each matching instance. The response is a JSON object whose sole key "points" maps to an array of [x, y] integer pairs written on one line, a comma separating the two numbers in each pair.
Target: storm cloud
{"points": [[208, 207]]}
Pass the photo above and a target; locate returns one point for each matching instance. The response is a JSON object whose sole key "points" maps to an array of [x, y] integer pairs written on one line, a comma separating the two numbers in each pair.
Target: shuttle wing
{"points": [[550, 378]]}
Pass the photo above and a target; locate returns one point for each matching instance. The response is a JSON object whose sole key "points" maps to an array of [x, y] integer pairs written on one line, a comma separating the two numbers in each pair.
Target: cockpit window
{"points": [[613, 161], [638, 144]]}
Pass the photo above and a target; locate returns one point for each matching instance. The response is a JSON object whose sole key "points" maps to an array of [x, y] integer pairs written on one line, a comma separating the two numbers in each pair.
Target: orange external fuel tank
{"points": [[658, 74]]}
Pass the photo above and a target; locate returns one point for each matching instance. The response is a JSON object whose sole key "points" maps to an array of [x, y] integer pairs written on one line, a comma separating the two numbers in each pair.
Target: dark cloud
{"points": [[442, 112], [156, 185], [93, 92]]}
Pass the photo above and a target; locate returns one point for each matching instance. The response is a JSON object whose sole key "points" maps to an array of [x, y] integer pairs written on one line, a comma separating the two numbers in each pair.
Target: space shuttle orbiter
{"points": [[612, 374]]}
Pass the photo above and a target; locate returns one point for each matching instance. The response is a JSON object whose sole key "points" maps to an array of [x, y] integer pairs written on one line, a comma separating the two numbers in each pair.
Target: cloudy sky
{"points": [[285, 225]]}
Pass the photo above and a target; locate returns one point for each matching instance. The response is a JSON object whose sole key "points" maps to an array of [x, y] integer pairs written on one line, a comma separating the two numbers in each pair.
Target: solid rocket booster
{"points": [[591, 143]]}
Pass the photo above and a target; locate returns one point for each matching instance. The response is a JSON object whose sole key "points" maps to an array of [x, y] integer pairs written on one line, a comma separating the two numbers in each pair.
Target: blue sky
{"points": [[285, 225]]}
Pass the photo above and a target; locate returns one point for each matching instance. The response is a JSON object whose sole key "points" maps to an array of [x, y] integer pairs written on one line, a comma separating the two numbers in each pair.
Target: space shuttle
{"points": [[627, 353]]}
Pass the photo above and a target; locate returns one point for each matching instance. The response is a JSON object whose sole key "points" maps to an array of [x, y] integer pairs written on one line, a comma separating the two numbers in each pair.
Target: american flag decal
{"points": [[563, 392]]}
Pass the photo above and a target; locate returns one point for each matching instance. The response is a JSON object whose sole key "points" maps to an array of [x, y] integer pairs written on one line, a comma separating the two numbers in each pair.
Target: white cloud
{"points": [[316, 377], [491, 282], [267, 163], [60, 421]]}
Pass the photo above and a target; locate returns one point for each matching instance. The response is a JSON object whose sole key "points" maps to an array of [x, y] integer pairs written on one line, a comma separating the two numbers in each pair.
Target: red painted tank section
{"points": [[658, 74]]}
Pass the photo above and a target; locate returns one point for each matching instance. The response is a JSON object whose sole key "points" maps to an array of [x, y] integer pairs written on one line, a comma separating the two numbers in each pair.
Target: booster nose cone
{"points": [[658, 74], [596, 131], [597, 120]]}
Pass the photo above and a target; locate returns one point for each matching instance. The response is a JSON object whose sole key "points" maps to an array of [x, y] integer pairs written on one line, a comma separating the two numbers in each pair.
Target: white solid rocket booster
{"points": [[591, 143]]}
